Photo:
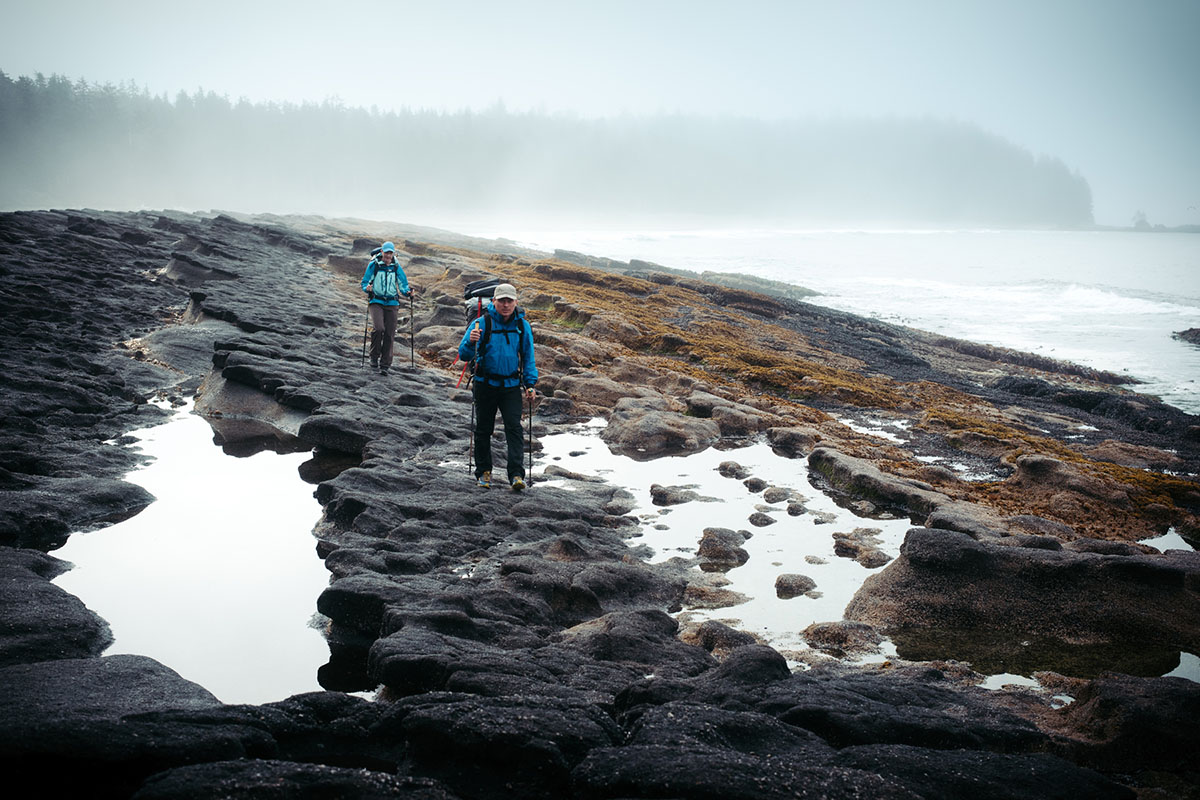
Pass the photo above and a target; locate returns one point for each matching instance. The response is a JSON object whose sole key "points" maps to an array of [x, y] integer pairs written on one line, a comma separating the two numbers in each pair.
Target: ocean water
{"points": [[1104, 299]]}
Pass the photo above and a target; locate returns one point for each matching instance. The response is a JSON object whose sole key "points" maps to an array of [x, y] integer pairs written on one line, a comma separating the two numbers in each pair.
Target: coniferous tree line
{"points": [[68, 143]]}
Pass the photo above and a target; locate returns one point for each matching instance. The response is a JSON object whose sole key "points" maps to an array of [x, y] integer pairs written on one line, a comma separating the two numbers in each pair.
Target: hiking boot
{"points": [[383, 370], [374, 363], [484, 480], [518, 483]]}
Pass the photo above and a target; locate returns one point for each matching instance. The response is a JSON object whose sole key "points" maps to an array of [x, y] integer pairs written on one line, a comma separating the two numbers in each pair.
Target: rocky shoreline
{"points": [[524, 646]]}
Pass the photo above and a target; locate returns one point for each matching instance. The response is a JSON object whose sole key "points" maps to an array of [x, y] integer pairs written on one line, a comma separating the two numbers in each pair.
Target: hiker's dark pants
{"points": [[487, 400], [383, 332]]}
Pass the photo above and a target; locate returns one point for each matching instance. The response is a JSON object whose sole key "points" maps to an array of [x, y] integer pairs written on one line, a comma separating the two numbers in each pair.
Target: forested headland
{"points": [[66, 143]]}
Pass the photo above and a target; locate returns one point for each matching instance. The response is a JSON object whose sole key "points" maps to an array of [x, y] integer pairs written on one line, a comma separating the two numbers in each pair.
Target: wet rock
{"points": [[969, 518], [268, 777], [491, 747], [793, 442], [937, 773], [915, 708], [721, 549], [42, 622], [862, 545], [718, 638], [672, 495], [677, 724], [1136, 456], [645, 638], [843, 639], [863, 508], [62, 717], [942, 579], [600, 390], [707, 591], [516, 632], [732, 469], [1128, 724], [734, 419], [789, 585], [755, 485], [776, 494], [761, 519], [611, 328], [1047, 472], [1104, 547], [646, 428], [690, 771], [39, 518], [860, 478]]}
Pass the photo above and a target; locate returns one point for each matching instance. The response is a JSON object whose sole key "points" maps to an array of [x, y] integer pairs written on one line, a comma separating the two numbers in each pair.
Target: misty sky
{"points": [[1110, 87]]}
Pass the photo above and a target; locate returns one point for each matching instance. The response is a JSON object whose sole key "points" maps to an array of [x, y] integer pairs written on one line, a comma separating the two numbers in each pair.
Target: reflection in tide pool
{"points": [[802, 544], [792, 545], [218, 578]]}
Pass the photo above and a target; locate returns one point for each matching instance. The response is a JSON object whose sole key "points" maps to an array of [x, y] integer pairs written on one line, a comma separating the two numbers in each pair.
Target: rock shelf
{"points": [[521, 645]]}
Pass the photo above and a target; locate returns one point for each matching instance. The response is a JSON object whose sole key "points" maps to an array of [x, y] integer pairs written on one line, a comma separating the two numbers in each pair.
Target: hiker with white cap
{"points": [[384, 281], [500, 346]]}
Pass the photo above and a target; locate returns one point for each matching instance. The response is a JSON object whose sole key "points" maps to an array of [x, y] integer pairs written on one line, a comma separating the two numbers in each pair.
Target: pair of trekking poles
{"points": [[413, 361], [412, 347]]}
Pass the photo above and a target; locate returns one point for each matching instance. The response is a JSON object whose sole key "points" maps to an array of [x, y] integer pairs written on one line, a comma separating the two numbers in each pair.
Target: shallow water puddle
{"points": [[791, 545], [218, 579], [801, 544]]}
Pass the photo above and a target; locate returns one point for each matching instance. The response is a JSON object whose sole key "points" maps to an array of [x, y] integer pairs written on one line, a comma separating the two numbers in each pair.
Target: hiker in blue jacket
{"points": [[500, 345], [384, 282]]}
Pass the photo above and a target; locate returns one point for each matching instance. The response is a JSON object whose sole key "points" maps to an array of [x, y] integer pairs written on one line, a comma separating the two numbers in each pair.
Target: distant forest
{"points": [[67, 143]]}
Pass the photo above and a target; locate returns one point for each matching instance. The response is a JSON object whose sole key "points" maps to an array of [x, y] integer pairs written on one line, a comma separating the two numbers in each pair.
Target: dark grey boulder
{"points": [[791, 585], [500, 747], [66, 719], [721, 549], [647, 428], [38, 620], [1127, 724], [343, 434], [955, 774], [1056, 599], [273, 778], [706, 773]]}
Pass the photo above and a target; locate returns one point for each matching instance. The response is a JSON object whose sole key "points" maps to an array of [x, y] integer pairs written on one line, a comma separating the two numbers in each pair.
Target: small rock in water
{"points": [[842, 639], [791, 585], [777, 494], [732, 469], [861, 544], [755, 485]]}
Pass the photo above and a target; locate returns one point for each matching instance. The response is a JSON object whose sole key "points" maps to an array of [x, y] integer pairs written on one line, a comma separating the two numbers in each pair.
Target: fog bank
{"points": [[71, 144]]}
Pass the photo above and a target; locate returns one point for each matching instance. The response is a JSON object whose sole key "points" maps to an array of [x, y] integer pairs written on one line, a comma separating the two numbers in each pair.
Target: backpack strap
{"points": [[481, 346]]}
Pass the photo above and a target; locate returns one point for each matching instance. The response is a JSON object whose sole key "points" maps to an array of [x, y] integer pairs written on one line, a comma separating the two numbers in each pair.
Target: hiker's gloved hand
{"points": [[529, 392]]}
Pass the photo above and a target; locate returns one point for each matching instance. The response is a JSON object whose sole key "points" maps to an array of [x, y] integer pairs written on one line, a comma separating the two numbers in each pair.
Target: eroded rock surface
{"points": [[522, 645]]}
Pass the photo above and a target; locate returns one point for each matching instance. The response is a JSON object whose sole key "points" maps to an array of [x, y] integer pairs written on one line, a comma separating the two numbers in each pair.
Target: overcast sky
{"points": [[1109, 86]]}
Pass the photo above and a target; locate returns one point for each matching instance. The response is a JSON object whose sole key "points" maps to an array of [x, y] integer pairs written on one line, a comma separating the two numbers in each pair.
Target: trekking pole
{"points": [[471, 446], [529, 396], [412, 347], [366, 325]]}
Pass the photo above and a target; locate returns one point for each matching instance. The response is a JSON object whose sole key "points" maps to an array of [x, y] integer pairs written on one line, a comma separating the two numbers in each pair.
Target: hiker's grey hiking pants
{"points": [[383, 332], [487, 400]]}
